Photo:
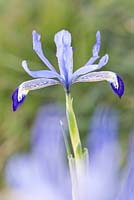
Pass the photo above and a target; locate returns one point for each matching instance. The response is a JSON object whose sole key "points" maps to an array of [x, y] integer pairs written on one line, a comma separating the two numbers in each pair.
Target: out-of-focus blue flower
{"points": [[104, 155], [42, 173], [66, 77], [127, 182], [106, 180]]}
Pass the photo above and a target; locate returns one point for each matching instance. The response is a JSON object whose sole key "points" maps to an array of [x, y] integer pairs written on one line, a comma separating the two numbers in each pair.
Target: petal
{"points": [[115, 81], [103, 61], [15, 102], [37, 47], [83, 70], [64, 53], [20, 93], [120, 89], [89, 68], [96, 49], [40, 73]]}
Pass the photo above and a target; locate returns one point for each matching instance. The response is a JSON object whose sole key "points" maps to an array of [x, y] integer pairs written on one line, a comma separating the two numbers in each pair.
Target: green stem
{"points": [[73, 128]]}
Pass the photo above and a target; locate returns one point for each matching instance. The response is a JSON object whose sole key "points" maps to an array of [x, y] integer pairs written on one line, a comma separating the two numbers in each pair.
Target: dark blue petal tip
{"points": [[120, 89], [15, 102]]}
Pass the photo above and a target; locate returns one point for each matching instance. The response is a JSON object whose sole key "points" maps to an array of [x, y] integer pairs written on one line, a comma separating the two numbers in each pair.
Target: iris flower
{"points": [[42, 173], [66, 77]]}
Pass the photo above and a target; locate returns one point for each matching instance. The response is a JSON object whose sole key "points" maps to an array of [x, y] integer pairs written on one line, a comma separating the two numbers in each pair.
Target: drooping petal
{"points": [[120, 90], [40, 73], [64, 54], [96, 49], [15, 102], [20, 93], [89, 68], [115, 81], [37, 47]]}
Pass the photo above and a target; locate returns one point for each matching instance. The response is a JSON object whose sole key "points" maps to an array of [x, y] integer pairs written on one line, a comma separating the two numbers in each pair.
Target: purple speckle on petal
{"points": [[120, 90], [15, 102]]}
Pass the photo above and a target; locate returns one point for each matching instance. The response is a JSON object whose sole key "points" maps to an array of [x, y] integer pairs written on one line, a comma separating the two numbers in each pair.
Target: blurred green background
{"points": [[114, 19]]}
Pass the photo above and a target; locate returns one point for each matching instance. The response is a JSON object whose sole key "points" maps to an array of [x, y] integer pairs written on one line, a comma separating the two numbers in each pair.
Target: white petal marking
{"points": [[35, 84], [99, 76]]}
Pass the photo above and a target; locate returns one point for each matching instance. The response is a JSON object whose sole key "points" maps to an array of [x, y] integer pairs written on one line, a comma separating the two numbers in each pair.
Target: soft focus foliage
{"points": [[114, 19]]}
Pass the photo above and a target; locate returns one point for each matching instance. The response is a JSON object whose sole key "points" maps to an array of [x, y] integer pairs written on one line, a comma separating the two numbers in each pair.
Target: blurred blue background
{"points": [[114, 19]]}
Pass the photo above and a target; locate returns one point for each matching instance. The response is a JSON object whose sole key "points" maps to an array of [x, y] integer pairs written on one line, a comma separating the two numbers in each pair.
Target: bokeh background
{"points": [[114, 19]]}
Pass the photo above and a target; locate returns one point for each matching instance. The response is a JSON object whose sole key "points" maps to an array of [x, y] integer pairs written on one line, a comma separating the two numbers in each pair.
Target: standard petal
{"points": [[115, 81], [103, 61], [64, 53], [89, 68], [39, 73], [20, 93], [96, 49], [37, 47]]}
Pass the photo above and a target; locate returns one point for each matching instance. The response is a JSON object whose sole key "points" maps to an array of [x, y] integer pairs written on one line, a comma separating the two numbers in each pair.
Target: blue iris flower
{"points": [[42, 173], [66, 77]]}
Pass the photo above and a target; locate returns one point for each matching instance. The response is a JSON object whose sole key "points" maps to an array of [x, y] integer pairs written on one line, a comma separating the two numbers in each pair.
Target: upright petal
{"points": [[20, 93], [37, 47], [89, 68], [64, 54], [103, 61], [40, 73], [96, 49], [115, 81]]}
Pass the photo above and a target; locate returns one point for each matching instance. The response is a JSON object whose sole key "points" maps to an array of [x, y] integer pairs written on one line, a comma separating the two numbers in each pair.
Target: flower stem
{"points": [[73, 128]]}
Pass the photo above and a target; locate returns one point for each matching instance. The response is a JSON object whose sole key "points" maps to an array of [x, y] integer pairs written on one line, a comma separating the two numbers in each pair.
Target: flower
{"points": [[42, 173], [104, 154], [66, 77], [127, 182]]}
